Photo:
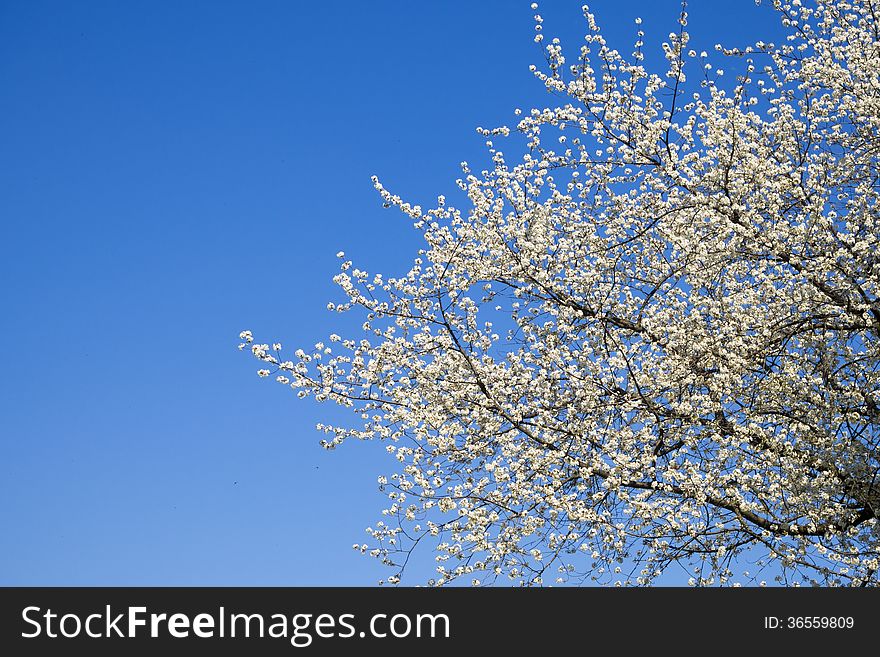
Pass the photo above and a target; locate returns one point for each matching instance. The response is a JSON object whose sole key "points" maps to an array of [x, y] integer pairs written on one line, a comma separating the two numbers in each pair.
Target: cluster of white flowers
{"points": [[655, 341]]}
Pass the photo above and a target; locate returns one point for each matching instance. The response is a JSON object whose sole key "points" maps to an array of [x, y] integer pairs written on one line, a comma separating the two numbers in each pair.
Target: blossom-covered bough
{"points": [[653, 340]]}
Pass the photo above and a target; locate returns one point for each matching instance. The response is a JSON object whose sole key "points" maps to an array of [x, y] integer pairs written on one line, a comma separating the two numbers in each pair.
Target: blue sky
{"points": [[173, 173]]}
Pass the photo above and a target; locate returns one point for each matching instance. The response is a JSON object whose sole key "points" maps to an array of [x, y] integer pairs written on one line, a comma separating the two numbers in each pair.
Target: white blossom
{"points": [[655, 342]]}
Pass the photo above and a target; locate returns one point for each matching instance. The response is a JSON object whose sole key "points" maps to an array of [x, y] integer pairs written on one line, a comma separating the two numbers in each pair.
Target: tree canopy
{"points": [[651, 338]]}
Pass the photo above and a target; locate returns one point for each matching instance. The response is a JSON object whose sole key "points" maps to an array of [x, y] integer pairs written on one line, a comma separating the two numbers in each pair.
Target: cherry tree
{"points": [[651, 340]]}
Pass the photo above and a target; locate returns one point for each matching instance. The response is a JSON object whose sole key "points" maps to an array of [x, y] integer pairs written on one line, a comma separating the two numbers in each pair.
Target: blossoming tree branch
{"points": [[652, 339]]}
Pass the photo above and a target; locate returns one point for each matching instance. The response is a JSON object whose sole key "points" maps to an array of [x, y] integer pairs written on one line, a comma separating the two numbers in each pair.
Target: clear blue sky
{"points": [[174, 172]]}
